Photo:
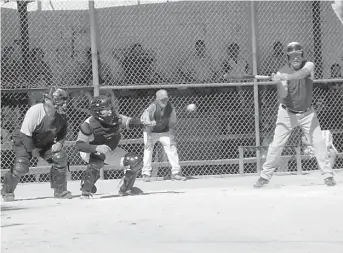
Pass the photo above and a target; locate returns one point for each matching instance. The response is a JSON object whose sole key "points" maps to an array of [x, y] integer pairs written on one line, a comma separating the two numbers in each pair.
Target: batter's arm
{"points": [[128, 122], [306, 71], [147, 117]]}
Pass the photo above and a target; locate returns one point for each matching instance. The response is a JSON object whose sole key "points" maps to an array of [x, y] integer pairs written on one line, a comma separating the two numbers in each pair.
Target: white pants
{"points": [[286, 122], [169, 148], [114, 158]]}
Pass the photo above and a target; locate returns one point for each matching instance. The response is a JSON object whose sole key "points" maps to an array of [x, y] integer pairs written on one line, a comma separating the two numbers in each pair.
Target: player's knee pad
{"points": [[128, 180], [97, 161], [58, 172], [21, 166], [58, 178], [133, 161], [92, 173], [60, 159]]}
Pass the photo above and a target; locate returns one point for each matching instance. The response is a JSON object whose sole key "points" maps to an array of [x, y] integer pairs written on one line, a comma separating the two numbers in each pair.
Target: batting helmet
{"points": [[101, 103], [294, 47]]}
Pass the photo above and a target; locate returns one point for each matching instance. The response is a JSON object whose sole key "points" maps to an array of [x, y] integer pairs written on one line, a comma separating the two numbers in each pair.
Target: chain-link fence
{"points": [[186, 46]]}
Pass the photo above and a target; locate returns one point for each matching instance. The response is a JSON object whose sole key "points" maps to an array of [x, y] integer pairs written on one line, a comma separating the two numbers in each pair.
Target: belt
{"points": [[295, 111]]}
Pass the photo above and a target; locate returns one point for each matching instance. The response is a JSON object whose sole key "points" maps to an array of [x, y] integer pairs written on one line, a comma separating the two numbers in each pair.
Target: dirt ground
{"points": [[294, 213]]}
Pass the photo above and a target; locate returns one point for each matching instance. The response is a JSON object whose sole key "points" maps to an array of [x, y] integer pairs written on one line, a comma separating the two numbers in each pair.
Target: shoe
{"points": [[330, 181], [146, 178], [86, 195], [63, 195], [260, 182], [8, 197], [178, 177], [127, 193]]}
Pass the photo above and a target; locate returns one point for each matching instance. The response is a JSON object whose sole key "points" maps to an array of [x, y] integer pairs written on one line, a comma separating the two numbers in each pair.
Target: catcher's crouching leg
{"points": [[12, 177], [91, 175], [133, 164], [58, 175]]}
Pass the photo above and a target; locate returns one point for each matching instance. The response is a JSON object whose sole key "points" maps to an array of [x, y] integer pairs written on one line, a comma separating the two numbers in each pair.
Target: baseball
{"points": [[191, 107]]}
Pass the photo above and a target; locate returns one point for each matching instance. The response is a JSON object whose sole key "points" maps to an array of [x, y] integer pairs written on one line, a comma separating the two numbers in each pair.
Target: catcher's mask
{"points": [[102, 109], [59, 99]]}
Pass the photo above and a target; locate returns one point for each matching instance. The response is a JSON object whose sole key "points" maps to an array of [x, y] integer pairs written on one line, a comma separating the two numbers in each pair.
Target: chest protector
{"points": [[105, 134], [162, 117]]}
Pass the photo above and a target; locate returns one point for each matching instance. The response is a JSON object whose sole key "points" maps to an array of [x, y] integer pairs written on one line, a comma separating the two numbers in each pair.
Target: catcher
{"points": [[98, 141], [42, 134], [309, 150]]}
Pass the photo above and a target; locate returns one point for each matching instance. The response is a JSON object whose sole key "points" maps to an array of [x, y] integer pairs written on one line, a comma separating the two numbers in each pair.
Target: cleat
{"points": [[330, 181], [86, 195], [260, 182], [178, 177], [63, 195], [122, 194], [146, 178], [8, 197]]}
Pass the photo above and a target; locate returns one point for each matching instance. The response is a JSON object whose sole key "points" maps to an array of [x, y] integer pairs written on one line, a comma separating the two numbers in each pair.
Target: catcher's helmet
{"points": [[294, 47], [101, 103]]}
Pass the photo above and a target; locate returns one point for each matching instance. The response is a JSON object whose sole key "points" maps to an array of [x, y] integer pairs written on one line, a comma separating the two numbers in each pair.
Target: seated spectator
{"points": [[37, 74], [336, 72], [199, 67], [274, 61], [81, 72], [9, 68], [139, 66], [236, 64]]}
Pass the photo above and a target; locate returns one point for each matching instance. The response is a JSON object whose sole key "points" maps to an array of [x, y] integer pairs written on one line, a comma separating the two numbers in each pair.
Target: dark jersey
{"points": [[44, 129], [103, 135]]}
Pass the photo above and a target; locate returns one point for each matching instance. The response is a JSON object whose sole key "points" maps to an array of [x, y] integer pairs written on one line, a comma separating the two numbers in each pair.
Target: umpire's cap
{"points": [[161, 94]]}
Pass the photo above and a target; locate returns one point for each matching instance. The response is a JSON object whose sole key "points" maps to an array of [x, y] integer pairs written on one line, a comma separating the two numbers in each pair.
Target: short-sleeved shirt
{"points": [[300, 91], [44, 129]]}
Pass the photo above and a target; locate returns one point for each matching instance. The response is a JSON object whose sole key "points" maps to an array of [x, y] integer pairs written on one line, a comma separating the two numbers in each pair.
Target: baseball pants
{"points": [[286, 122], [169, 148], [114, 158]]}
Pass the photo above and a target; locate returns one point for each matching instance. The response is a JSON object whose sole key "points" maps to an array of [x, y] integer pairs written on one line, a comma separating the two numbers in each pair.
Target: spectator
{"points": [[81, 74], [199, 67], [139, 66], [37, 74], [336, 72], [274, 61], [9, 68], [11, 103], [235, 64]]}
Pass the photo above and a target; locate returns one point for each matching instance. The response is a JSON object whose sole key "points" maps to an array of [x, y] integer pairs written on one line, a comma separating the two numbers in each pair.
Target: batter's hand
{"points": [[104, 149], [35, 152], [149, 123], [283, 85], [56, 147]]}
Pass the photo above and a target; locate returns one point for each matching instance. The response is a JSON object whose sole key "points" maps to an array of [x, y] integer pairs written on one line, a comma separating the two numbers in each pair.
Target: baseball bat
{"points": [[260, 77]]}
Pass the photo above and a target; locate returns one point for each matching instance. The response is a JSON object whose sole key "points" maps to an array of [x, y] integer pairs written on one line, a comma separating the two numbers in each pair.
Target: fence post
{"points": [[241, 160], [256, 95], [95, 57], [298, 154], [95, 65]]}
